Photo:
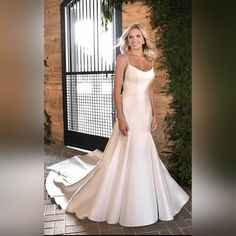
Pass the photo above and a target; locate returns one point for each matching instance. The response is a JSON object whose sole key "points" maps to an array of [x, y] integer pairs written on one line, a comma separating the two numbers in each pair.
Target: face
{"points": [[135, 39]]}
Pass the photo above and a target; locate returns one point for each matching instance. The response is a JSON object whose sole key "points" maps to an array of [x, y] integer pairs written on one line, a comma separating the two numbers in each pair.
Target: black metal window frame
{"points": [[69, 136]]}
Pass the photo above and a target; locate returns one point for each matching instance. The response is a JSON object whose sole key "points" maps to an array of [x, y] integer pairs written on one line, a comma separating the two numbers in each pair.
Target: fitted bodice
{"points": [[136, 81]]}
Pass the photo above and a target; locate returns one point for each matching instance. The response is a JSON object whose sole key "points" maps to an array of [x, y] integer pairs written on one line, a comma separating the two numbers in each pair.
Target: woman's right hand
{"points": [[123, 126]]}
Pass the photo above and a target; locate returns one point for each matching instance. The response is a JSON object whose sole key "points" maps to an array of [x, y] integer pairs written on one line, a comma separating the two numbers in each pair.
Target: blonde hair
{"points": [[148, 47]]}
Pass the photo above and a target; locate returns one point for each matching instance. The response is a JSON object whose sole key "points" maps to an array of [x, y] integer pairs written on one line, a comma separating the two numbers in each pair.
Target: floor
{"points": [[58, 222]]}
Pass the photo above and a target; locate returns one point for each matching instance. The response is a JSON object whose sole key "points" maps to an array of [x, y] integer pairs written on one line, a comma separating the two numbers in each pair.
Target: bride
{"points": [[127, 183]]}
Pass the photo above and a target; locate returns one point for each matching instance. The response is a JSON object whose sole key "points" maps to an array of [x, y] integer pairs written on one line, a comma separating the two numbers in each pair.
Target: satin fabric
{"points": [[127, 183]]}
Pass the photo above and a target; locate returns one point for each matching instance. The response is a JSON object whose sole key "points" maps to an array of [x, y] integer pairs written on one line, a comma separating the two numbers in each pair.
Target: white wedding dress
{"points": [[127, 183]]}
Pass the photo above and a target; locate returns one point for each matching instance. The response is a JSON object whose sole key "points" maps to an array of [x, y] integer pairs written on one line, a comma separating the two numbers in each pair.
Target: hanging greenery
{"points": [[47, 128], [47, 121], [174, 18]]}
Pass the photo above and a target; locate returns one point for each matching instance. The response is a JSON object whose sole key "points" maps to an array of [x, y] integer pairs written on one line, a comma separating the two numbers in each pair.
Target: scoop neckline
{"points": [[140, 69]]}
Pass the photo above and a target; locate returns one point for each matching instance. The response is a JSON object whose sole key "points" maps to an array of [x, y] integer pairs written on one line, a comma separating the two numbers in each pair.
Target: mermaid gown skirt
{"points": [[127, 183]]}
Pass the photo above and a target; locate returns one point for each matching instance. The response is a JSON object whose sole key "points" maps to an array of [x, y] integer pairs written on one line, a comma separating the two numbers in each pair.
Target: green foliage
{"points": [[107, 8], [47, 128], [173, 17], [171, 20], [47, 121]]}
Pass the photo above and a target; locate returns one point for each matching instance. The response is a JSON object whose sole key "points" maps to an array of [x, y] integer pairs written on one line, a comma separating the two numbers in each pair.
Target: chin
{"points": [[137, 47]]}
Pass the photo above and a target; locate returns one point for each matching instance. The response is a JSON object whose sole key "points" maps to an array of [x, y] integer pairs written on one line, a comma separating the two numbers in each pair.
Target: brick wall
{"points": [[53, 75]]}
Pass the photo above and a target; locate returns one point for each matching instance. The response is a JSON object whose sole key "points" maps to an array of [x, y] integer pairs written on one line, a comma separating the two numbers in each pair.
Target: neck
{"points": [[136, 52]]}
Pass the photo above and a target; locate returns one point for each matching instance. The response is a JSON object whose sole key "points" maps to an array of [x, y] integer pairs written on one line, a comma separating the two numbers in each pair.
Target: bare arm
{"points": [[151, 96], [121, 64]]}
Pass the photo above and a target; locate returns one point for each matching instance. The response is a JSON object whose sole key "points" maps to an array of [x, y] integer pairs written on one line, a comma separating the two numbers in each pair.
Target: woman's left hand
{"points": [[153, 124]]}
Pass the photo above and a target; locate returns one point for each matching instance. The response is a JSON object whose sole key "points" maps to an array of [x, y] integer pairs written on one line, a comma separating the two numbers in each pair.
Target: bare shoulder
{"points": [[121, 59]]}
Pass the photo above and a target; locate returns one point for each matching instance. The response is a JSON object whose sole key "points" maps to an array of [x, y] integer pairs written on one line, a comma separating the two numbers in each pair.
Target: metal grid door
{"points": [[88, 58]]}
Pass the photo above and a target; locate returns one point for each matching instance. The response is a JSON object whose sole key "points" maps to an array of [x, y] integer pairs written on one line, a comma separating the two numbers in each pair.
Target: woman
{"points": [[128, 183], [137, 50]]}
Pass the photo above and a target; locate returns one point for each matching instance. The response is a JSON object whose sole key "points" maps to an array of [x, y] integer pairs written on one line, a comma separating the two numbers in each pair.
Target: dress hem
{"points": [[59, 202]]}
